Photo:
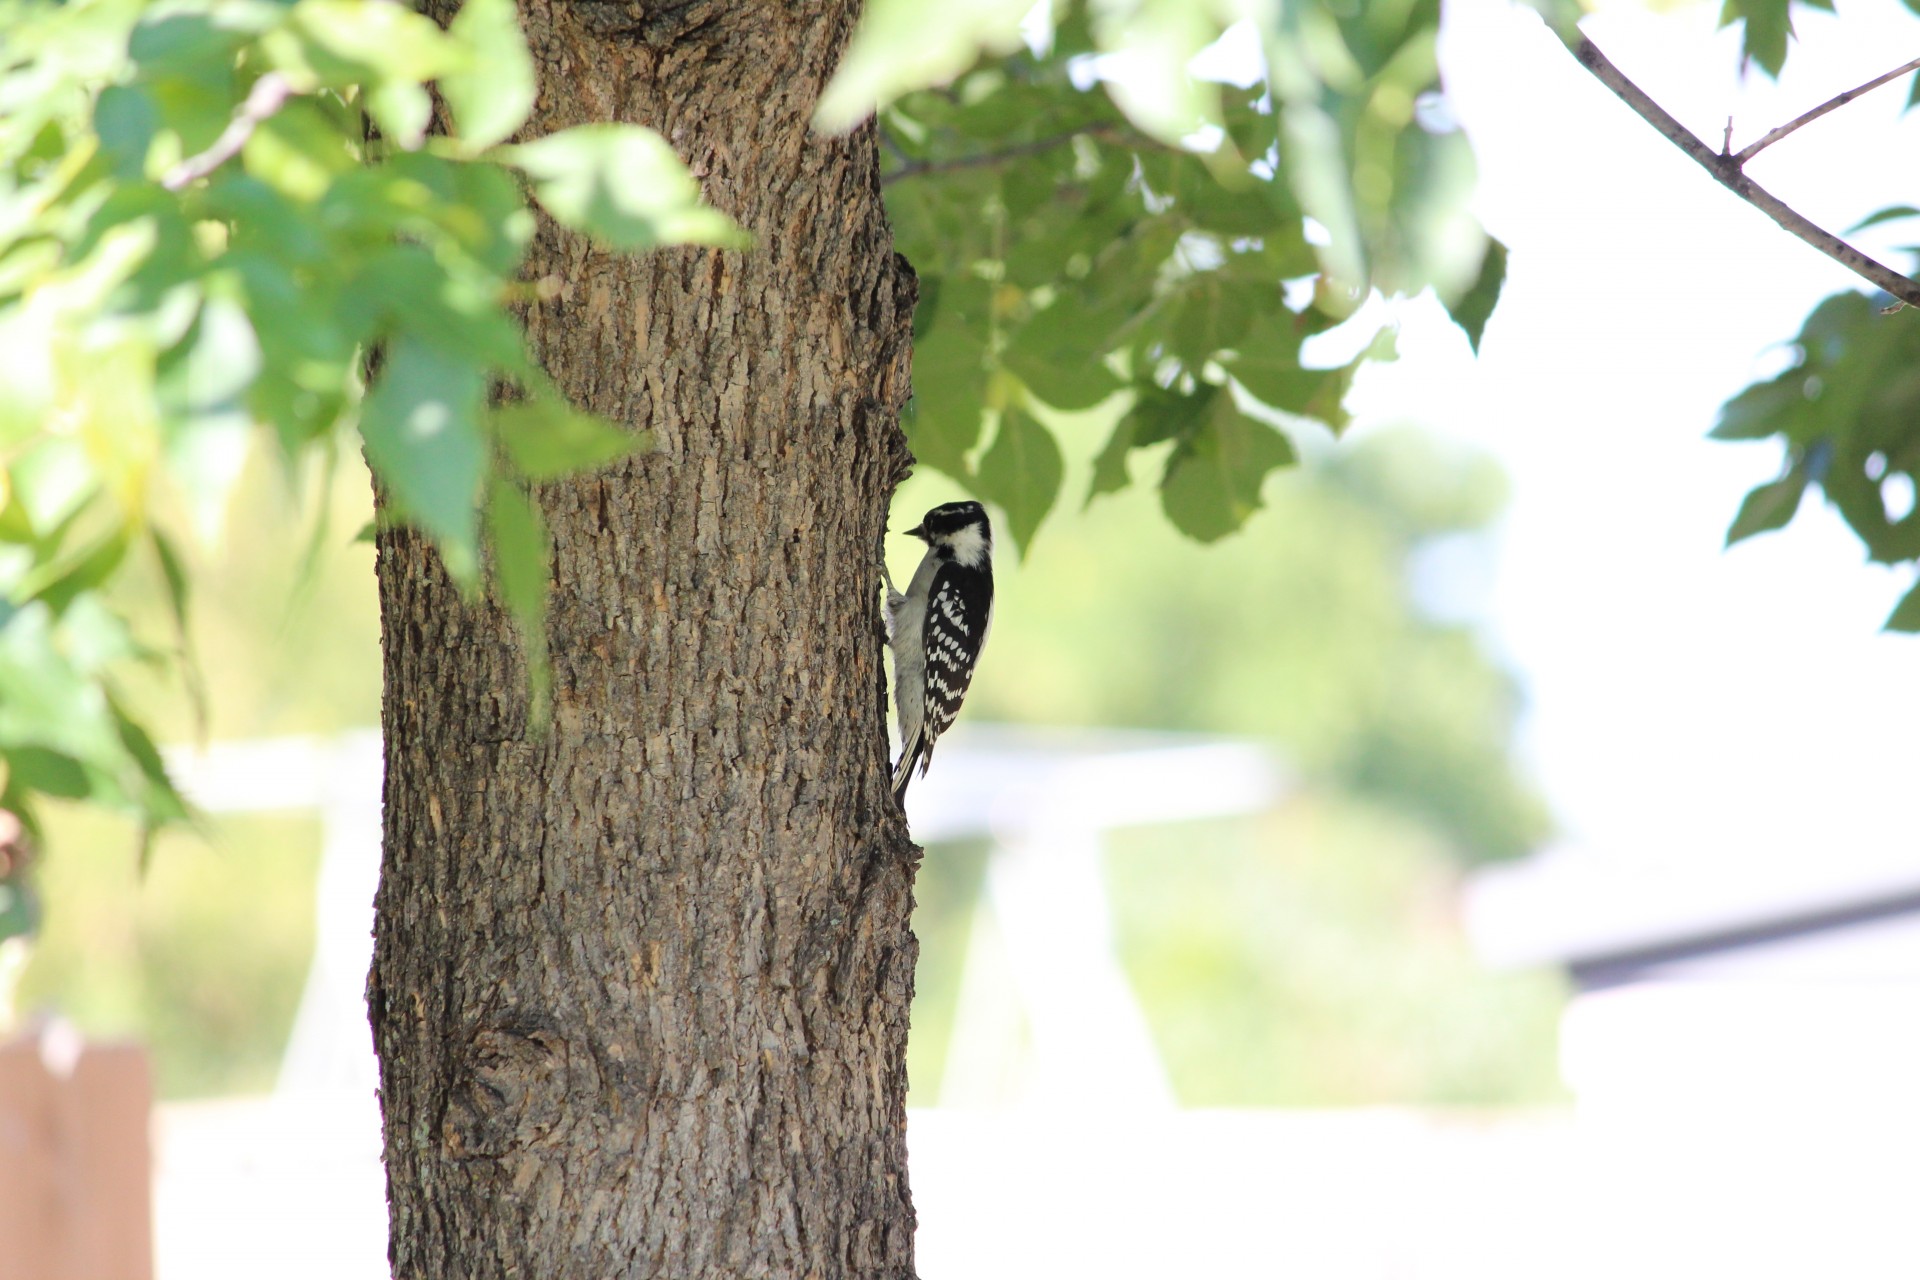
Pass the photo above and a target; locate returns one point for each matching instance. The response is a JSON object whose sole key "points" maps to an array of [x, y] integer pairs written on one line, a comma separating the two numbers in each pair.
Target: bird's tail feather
{"points": [[903, 772]]}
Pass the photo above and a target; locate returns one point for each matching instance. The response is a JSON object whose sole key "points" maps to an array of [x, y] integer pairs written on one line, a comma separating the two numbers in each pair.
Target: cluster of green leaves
{"points": [[1091, 217], [197, 236], [1847, 410]]}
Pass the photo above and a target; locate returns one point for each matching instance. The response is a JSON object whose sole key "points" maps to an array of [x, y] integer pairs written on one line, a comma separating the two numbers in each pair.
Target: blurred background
{"points": [[1569, 923]]}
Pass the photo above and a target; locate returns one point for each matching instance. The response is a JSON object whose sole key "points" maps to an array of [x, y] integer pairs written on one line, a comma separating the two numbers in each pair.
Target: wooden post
{"points": [[75, 1171]]}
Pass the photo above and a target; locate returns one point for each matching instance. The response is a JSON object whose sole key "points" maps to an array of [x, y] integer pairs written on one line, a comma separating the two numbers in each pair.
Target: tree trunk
{"points": [[641, 981]]}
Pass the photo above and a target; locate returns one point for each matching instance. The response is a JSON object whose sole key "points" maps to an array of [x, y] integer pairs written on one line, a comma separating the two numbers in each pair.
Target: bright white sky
{"points": [[1682, 700]]}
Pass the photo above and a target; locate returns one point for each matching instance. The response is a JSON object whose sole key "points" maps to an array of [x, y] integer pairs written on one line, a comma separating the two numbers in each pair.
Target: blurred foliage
{"points": [[1311, 957], [203, 953], [1091, 219], [197, 236], [1314, 958], [1846, 412], [1299, 630], [203, 956]]}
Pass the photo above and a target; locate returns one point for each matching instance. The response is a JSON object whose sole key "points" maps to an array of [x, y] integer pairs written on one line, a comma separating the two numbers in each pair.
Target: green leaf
{"points": [[1076, 380], [493, 94], [384, 41], [1213, 479], [152, 791], [125, 118], [1472, 310], [1893, 213], [407, 289], [52, 772], [1157, 414], [621, 184], [547, 437], [948, 410], [298, 151], [191, 46], [1021, 471], [1768, 24], [1268, 366], [1906, 614], [1110, 464], [908, 44], [1765, 409], [522, 570], [174, 571], [1213, 313], [44, 700], [421, 425], [403, 110], [1160, 414], [1769, 506], [60, 582]]}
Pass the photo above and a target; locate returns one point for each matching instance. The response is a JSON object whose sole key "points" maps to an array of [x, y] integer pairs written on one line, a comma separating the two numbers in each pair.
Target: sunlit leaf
{"points": [[421, 424], [493, 94], [620, 184], [905, 44], [1472, 310], [522, 559], [388, 42], [546, 437]]}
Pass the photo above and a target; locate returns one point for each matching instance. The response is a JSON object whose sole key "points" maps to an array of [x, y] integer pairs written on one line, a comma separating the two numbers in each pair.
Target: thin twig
{"points": [[986, 159], [1751, 150], [270, 93], [1726, 170]]}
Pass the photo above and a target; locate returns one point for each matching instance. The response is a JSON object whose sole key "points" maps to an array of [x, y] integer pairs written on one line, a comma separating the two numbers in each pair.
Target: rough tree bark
{"points": [[641, 983]]}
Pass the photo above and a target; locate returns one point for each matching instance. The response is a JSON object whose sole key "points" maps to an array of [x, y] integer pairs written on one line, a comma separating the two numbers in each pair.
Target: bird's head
{"points": [[959, 531]]}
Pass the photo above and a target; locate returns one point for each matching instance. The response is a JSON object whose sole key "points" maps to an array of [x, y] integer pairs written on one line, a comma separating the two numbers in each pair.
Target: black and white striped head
{"points": [[958, 531]]}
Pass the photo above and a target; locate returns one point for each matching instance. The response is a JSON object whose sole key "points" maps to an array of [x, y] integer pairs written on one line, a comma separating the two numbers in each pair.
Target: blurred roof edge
{"points": [[1573, 907]]}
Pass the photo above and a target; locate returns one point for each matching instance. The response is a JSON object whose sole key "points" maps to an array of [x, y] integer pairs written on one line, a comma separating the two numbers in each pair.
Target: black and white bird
{"points": [[937, 627]]}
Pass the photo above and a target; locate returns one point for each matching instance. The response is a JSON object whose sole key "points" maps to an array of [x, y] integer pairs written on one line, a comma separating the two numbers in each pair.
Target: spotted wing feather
{"points": [[959, 611]]}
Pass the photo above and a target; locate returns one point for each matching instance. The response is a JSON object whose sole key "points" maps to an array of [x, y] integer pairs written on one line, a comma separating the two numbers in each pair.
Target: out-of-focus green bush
{"points": [[1311, 956], [203, 952]]}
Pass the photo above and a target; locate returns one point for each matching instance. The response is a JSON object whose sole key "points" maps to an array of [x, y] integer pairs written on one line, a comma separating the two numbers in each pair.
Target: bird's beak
{"points": [[918, 531]]}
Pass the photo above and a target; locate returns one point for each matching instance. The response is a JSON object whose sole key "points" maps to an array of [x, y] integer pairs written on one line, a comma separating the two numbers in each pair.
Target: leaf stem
{"points": [[270, 92], [1726, 170], [1753, 149]]}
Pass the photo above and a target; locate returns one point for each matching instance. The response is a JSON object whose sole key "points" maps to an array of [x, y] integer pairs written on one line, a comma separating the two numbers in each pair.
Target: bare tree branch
{"points": [[1726, 170], [270, 93], [1753, 149]]}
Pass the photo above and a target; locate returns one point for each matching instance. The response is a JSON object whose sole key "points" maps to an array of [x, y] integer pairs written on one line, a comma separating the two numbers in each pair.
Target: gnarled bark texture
{"points": [[641, 983]]}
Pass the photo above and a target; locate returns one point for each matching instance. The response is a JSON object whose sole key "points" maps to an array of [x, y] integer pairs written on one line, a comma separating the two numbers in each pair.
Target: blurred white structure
{"points": [[331, 1048], [1743, 1046], [1716, 984], [1042, 942], [293, 1184]]}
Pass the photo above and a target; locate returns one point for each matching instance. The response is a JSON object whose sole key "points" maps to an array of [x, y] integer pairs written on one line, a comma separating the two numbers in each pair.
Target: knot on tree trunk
{"points": [[508, 1094]]}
